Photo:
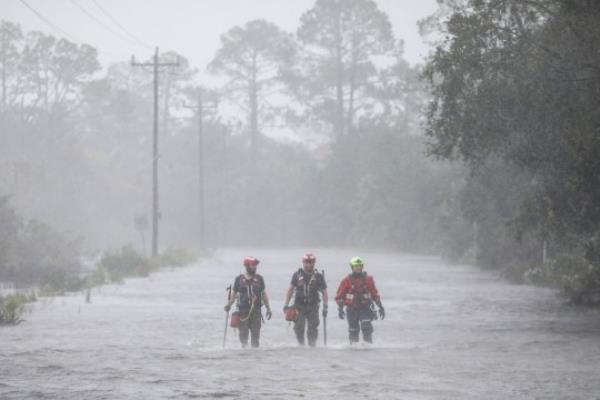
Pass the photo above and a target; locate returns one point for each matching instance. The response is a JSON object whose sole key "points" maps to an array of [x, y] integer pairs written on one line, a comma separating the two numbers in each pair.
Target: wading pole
{"points": [[324, 319], [227, 316]]}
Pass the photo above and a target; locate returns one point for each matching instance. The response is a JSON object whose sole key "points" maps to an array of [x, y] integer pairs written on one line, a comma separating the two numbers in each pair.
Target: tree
{"points": [[509, 86], [253, 57], [42, 157], [520, 81], [397, 98], [340, 40], [55, 72], [10, 42]]}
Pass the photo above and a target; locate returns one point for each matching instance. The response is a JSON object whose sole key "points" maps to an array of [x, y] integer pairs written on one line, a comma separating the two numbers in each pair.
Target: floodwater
{"points": [[451, 332]]}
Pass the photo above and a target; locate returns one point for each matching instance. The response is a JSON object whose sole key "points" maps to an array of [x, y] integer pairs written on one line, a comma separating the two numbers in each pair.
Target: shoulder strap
{"points": [[362, 279]]}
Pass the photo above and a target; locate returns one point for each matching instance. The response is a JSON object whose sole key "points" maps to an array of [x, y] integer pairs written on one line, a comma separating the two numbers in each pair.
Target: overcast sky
{"points": [[120, 28]]}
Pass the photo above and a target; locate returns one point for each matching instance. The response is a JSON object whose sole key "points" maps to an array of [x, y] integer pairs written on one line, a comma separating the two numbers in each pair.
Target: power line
{"points": [[102, 24], [64, 33], [53, 26], [121, 26]]}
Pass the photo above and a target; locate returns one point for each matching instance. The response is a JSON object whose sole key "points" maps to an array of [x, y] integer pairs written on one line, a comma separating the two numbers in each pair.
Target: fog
{"points": [[149, 148], [78, 134]]}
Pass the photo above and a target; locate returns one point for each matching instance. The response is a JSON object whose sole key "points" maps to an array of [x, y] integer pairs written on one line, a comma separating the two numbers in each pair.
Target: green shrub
{"points": [[542, 274], [576, 277], [33, 253], [12, 308], [116, 265], [122, 263], [579, 280], [96, 278], [176, 258], [58, 281], [515, 272]]}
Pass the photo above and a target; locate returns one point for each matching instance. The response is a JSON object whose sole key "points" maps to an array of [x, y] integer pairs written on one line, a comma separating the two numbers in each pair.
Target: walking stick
{"points": [[227, 316], [324, 319]]}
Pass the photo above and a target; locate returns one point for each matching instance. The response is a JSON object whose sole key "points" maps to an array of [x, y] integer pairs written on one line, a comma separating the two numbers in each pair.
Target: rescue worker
{"points": [[307, 283], [358, 293], [249, 294]]}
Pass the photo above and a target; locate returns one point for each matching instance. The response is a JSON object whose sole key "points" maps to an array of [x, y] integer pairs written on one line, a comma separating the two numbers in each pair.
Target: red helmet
{"points": [[250, 261], [309, 258]]}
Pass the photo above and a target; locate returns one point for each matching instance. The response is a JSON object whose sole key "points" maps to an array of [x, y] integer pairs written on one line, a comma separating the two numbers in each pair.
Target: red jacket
{"points": [[357, 290]]}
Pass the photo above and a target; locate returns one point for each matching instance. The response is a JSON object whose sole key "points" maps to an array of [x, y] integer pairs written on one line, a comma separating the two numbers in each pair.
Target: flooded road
{"points": [[451, 332]]}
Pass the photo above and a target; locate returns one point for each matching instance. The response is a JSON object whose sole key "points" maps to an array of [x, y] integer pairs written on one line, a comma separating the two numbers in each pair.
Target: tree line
{"points": [[516, 94], [315, 137], [358, 181]]}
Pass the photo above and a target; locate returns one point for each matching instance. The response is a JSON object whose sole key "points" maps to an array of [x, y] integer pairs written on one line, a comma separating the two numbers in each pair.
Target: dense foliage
{"points": [[33, 253], [516, 94]]}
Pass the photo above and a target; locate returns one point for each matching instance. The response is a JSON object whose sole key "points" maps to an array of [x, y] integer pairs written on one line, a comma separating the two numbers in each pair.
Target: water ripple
{"points": [[451, 332]]}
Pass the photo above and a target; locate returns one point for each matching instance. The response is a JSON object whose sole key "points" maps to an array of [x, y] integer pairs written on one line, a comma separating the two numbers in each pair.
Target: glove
{"points": [[285, 308], [268, 314], [341, 313], [324, 311], [227, 307], [381, 313]]}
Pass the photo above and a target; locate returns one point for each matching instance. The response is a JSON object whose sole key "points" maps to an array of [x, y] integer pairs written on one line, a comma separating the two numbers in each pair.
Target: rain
{"points": [[371, 199]]}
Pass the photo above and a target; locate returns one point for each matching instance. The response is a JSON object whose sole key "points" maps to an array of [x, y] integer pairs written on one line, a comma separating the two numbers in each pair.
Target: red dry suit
{"points": [[356, 291]]}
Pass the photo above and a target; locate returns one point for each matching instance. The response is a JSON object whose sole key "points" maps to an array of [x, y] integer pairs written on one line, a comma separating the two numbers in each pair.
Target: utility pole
{"points": [[475, 243], [155, 211], [4, 45], [199, 107]]}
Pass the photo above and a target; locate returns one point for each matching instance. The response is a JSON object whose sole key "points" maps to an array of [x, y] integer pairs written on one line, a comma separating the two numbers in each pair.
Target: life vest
{"points": [[250, 292], [359, 293], [306, 288]]}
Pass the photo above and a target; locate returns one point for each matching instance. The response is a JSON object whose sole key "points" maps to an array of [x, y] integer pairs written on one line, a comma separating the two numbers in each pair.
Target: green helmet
{"points": [[356, 262]]}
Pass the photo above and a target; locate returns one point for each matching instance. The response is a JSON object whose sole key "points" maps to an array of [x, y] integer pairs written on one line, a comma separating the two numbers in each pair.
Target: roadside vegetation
{"points": [[116, 265], [516, 88], [12, 308], [41, 261]]}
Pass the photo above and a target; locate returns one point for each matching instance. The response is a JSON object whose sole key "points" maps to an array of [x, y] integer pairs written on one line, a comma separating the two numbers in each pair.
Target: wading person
{"points": [[357, 292], [249, 294], [306, 284]]}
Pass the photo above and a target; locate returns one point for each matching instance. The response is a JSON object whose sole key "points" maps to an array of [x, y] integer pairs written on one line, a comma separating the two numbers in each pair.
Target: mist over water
{"points": [[311, 129], [450, 332]]}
